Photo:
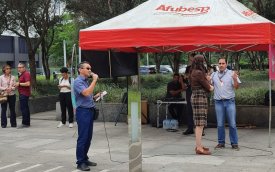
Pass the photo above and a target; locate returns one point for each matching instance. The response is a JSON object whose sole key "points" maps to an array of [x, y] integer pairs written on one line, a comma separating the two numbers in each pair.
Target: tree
{"points": [[158, 57], [90, 12], [46, 44], [66, 30], [174, 61], [31, 20], [3, 12]]}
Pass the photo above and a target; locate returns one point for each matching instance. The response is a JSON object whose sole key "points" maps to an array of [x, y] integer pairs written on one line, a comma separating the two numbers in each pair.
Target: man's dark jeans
{"points": [[24, 107], [85, 122]]}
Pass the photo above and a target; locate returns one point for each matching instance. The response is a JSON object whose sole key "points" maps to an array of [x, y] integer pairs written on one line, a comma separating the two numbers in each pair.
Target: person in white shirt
{"points": [[65, 98]]}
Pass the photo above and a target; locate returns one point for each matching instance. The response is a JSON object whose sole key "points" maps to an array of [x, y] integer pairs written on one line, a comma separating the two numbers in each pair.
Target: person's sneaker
{"points": [[60, 125], [235, 147], [71, 125], [220, 146]]}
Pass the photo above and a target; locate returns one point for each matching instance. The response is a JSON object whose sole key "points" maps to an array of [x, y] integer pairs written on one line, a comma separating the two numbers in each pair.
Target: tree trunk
{"points": [[158, 60], [32, 69], [261, 57], [252, 60], [237, 61], [176, 63], [45, 61]]}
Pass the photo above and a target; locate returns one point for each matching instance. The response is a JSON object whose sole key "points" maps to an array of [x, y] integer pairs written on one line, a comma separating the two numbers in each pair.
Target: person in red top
{"points": [[24, 89]]}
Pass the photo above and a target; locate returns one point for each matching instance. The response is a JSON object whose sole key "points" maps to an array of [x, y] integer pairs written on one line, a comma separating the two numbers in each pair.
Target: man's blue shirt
{"points": [[80, 84], [223, 84]]}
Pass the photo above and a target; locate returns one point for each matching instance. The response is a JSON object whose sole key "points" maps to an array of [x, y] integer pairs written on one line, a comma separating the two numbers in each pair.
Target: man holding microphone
{"points": [[85, 111]]}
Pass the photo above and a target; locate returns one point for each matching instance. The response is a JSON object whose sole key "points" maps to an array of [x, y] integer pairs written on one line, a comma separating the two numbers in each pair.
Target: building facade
{"points": [[13, 49]]}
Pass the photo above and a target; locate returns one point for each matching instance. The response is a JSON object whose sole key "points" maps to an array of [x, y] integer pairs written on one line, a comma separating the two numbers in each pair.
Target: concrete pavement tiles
{"points": [[45, 148]]}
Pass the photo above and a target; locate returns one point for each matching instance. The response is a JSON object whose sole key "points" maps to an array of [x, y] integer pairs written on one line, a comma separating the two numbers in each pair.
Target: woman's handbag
{"points": [[3, 97]]}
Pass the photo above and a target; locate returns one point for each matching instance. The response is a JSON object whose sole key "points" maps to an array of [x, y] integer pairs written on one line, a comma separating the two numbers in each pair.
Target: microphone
{"points": [[91, 74]]}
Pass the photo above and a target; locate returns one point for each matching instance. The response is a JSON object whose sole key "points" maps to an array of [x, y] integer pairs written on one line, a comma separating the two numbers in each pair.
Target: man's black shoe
{"points": [[90, 163], [83, 167], [235, 147], [220, 146], [188, 132]]}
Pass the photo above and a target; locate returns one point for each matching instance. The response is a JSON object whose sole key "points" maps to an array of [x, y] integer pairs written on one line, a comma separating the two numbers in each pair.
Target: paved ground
{"points": [[45, 148]]}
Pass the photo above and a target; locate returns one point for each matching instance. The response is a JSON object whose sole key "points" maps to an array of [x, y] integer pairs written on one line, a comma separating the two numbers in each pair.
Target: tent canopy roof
{"points": [[182, 25]]}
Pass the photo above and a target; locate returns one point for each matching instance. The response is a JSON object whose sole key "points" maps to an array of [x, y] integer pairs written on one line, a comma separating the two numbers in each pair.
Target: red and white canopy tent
{"points": [[185, 26]]}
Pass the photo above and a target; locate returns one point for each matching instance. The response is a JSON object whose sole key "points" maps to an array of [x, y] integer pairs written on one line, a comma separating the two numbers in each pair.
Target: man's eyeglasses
{"points": [[221, 63], [20, 67], [86, 68]]}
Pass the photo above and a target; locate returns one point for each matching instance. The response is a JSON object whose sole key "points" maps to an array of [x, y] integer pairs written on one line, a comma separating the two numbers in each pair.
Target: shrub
{"points": [[114, 92], [45, 88], [248, 75], [153, 87], [250, 96]]}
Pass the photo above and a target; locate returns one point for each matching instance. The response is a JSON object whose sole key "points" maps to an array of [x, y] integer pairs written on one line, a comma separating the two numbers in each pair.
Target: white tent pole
{"points": [[72, 64], [64, 52], [270, 112], [79, 54]]}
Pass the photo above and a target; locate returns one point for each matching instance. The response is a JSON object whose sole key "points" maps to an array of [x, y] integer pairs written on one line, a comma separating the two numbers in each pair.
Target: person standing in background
{"points": [[65, 98], [189, 110], [24, 89], [7, 84]]}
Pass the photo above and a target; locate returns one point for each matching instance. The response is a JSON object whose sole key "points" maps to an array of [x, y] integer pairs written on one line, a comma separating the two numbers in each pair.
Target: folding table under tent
{"points": [[185, 26]]}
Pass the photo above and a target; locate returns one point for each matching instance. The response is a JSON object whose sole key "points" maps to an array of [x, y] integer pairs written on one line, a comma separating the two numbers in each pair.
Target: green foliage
{"points": [[250, 96], [90, 12], [114, 91], [153, 87], [154, 81], [249, 75], [68, 31], [45, 88]]}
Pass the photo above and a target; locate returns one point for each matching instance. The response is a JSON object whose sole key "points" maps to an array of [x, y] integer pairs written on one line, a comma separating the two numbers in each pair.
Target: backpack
{"points": [[69, 80], [266, 98]]}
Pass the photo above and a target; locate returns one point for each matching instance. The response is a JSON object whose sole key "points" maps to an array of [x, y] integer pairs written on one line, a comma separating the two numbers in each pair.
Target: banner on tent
{"points": [[271, 55]]}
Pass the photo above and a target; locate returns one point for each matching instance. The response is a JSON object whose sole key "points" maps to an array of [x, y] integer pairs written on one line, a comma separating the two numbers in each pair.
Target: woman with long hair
{"points": [[200, 87], [7, 85]]}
